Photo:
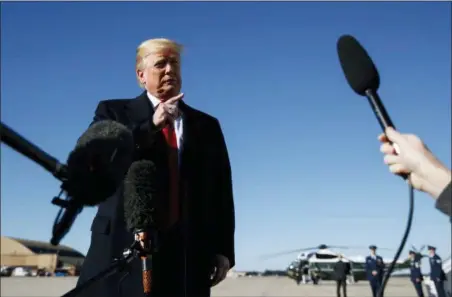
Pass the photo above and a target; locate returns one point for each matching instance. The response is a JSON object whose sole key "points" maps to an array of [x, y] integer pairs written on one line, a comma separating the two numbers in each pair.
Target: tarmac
{"points": [[241, 286]]}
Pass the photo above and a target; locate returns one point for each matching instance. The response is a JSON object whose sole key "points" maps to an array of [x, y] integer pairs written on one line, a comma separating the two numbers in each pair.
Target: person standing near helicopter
{"points": [[374, 270], [416, 273], [341, 272], [305, 272], [437, 274]]}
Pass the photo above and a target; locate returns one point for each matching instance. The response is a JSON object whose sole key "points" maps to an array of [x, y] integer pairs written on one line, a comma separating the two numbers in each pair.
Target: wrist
{"points": [[155, 128], [436, 179]]}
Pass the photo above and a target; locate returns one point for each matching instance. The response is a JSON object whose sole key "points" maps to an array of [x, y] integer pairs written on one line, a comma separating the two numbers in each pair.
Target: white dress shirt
{"points": [[178, 124]]}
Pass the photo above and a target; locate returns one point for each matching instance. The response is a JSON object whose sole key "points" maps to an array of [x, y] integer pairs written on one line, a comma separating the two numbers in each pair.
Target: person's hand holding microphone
{"points": [[408, 155], [167, 111]]}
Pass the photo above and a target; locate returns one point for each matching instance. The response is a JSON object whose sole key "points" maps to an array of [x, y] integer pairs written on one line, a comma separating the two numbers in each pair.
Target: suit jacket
{"points": [[182, 267], [341, 270]]}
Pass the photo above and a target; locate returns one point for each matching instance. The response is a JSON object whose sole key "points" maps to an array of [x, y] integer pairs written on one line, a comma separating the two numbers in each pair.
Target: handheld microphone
{"points": [[362, 76], [93, 171], [139, 197]]}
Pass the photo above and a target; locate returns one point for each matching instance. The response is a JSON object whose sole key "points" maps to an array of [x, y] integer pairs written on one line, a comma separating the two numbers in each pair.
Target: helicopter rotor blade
{"points": [[357, 247], [339, 247], [274, 255], [319, 247]]}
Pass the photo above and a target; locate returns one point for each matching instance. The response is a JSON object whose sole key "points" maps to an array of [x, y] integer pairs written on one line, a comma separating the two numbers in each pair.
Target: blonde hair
{"points": [[152, 46]]}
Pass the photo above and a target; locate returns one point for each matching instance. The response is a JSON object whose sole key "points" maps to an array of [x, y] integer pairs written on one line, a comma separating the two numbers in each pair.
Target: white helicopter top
{"points": [[323, 253]]}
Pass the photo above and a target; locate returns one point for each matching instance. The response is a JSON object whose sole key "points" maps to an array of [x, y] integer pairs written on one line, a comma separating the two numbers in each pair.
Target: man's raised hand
{"points": [[166, 111]]}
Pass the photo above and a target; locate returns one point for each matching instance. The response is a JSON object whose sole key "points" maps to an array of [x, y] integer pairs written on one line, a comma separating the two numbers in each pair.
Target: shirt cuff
{"points": [[443, 203]]}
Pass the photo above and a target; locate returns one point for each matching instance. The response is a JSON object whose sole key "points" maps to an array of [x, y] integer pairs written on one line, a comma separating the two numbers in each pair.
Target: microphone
{"points": [[95, 168], [139, 196], [99, 161], [362, 76]]}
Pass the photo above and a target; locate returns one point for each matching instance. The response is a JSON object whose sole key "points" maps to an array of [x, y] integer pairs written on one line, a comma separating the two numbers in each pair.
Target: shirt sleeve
{"points": [[443, 203]]}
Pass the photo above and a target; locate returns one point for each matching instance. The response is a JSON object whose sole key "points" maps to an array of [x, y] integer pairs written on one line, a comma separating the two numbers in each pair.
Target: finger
{"points": [[383, 138], [212, 273], [391, 159], [219, 276], [162, 109], [165, 108], [175, 99], [171, 110], [224, 273], [396, 148], [215, 276], [163, 114], [393, 135], [167, 117], [387, 148], [398, 169]]}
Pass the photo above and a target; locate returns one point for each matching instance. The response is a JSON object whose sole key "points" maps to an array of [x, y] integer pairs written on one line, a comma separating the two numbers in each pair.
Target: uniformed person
{"points": [[437, 274], [416, 273], [374, 270]]}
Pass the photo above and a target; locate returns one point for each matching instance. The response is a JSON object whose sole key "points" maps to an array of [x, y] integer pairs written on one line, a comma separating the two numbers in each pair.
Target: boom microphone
{"points": [[139, 196], [94, 170], [362, 76], [99, 161]]}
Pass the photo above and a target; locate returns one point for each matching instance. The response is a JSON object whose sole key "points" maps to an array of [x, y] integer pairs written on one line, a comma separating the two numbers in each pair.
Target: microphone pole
{"points": [[118, 265], [142, 248], [31, 151], [69, 209]]}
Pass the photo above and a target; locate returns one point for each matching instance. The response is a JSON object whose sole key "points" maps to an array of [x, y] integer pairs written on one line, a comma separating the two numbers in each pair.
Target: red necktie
{"points": [[170, 136]]}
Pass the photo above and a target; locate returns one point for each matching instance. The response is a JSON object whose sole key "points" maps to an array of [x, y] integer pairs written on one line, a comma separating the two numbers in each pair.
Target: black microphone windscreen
{"points": [[139, 195], [99, 162], [358, 68]]}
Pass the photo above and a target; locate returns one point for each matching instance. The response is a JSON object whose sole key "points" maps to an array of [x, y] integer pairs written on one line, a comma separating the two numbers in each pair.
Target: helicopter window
{"points": [[325, 256]]}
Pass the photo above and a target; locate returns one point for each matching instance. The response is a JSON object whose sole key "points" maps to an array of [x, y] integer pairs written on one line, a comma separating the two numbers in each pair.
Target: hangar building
{"points": [[18, 252]]}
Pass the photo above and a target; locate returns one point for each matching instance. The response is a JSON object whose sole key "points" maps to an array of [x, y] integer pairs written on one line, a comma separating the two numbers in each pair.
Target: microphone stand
{"points": [[118, 265]]}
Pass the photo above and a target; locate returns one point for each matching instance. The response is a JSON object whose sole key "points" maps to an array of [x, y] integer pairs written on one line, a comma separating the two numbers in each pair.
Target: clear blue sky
{"points": [[304, 151]]}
